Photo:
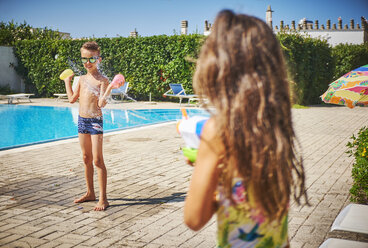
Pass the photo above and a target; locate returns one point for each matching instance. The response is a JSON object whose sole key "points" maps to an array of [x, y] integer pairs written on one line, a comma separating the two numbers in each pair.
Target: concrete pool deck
{"points": [[147, 183]]}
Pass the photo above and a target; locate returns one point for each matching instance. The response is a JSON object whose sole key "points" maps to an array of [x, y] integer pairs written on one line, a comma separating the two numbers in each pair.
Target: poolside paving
{"points": [[147, 184]]}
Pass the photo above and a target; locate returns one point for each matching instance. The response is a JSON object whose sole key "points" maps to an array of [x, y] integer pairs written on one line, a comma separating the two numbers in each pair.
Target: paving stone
{"points": [[91, 241], [71, 238], [33, 242], [24, 229], [18, 244], [65, 245], [54, 235], [10, 238], [8, 226]]}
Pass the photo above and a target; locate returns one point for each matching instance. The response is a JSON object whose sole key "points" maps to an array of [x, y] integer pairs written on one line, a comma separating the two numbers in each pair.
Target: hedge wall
{"points": [[349, 57], [151, 63], [148, 63], [310, 67]]}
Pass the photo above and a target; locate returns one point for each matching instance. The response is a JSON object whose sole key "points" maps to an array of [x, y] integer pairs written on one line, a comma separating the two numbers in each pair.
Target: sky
{"points": [[113, 18]]}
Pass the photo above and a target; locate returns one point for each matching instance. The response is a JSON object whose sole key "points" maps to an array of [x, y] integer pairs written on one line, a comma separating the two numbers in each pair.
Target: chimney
{"points": [[207, 28], [339, 23], [293, 25], [305, 24], [184, 27], [134, 33], [269, 16], [364, 23], [328, 25]]}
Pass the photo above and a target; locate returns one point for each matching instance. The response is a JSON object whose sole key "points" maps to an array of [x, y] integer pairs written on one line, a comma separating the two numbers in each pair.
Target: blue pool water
{"points": [[26, 125]]}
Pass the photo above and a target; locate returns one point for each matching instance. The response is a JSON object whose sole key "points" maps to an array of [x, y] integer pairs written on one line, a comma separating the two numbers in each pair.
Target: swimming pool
{"points": [[25, 125]]}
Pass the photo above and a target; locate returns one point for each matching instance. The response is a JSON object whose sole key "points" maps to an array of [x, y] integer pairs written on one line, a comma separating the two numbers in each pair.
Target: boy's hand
{"points": [[115, 85], [118, 81], [110, 87], [69, 79]]}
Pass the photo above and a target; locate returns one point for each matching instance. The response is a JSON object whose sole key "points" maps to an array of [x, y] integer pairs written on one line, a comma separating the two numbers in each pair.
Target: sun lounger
{"points": [[353, 218], [119, 93], [343, 243], [61, 96], [19, 96], [177, 90]]}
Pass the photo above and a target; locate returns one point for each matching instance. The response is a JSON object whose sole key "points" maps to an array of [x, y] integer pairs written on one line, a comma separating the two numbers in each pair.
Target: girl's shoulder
{"points": [[209, 129], [211, 134]]}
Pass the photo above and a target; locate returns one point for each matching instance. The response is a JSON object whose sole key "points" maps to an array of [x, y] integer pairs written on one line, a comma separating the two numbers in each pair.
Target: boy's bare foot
{"points": [[101, 205], [85, 198]]}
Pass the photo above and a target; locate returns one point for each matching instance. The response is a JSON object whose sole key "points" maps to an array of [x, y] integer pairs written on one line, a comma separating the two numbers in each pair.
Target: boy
{"points": [[89, 90]]}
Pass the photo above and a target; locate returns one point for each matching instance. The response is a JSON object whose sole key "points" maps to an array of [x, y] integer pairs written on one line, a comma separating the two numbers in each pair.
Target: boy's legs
{"points": [[97, 141], [86, 147]]}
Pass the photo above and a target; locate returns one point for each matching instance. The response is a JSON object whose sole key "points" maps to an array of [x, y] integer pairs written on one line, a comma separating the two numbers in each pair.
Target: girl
{"points": [[247, 152]]}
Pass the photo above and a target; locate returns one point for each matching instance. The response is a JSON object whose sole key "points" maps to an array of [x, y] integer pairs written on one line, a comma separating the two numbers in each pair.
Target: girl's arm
{"points": [[72, 95], [199, 203]]}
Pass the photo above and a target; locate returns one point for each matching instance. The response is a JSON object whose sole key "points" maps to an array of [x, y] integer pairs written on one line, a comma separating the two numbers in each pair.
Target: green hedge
{"points": [[151, 63], [148, 63], [310, 66], [349, 57]]}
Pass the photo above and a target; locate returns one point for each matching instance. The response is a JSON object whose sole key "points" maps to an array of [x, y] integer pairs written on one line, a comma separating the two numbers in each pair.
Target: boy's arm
{"points": [[72, 95], [106, 88]]}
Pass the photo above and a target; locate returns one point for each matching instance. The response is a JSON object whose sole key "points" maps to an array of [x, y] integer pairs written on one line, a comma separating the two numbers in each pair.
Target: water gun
{"points": [[118, 81], [191, 129], [66, 73]]}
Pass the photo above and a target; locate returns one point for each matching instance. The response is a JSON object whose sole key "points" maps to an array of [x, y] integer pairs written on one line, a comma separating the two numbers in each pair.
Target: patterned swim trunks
{"points": [[90, 125]]}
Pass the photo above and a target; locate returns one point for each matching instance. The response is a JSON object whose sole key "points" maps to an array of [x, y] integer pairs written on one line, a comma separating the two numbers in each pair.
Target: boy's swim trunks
{"points": [[90, 125]]}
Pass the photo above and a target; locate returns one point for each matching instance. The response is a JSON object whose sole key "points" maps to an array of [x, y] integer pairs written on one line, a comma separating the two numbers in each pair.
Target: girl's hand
{"points": [[189, 162]]}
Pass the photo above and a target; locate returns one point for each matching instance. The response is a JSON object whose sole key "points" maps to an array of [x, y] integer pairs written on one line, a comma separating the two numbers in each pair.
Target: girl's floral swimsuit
{"points": [[242, 226]]}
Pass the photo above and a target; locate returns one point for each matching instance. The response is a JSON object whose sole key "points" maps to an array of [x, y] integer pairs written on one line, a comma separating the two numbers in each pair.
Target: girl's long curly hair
{"points": [[241, 72]]}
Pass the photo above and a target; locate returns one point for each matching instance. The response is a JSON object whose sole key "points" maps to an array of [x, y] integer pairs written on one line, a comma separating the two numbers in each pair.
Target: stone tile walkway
{"points": [[147, 183]]}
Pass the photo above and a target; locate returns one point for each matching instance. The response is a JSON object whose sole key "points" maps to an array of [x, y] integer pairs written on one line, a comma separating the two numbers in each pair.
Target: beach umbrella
{"points": [[350, 90]]}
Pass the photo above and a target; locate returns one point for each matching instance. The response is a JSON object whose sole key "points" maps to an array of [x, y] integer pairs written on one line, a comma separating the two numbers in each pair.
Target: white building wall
{"points": [[8, 76], [337, 37]]}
